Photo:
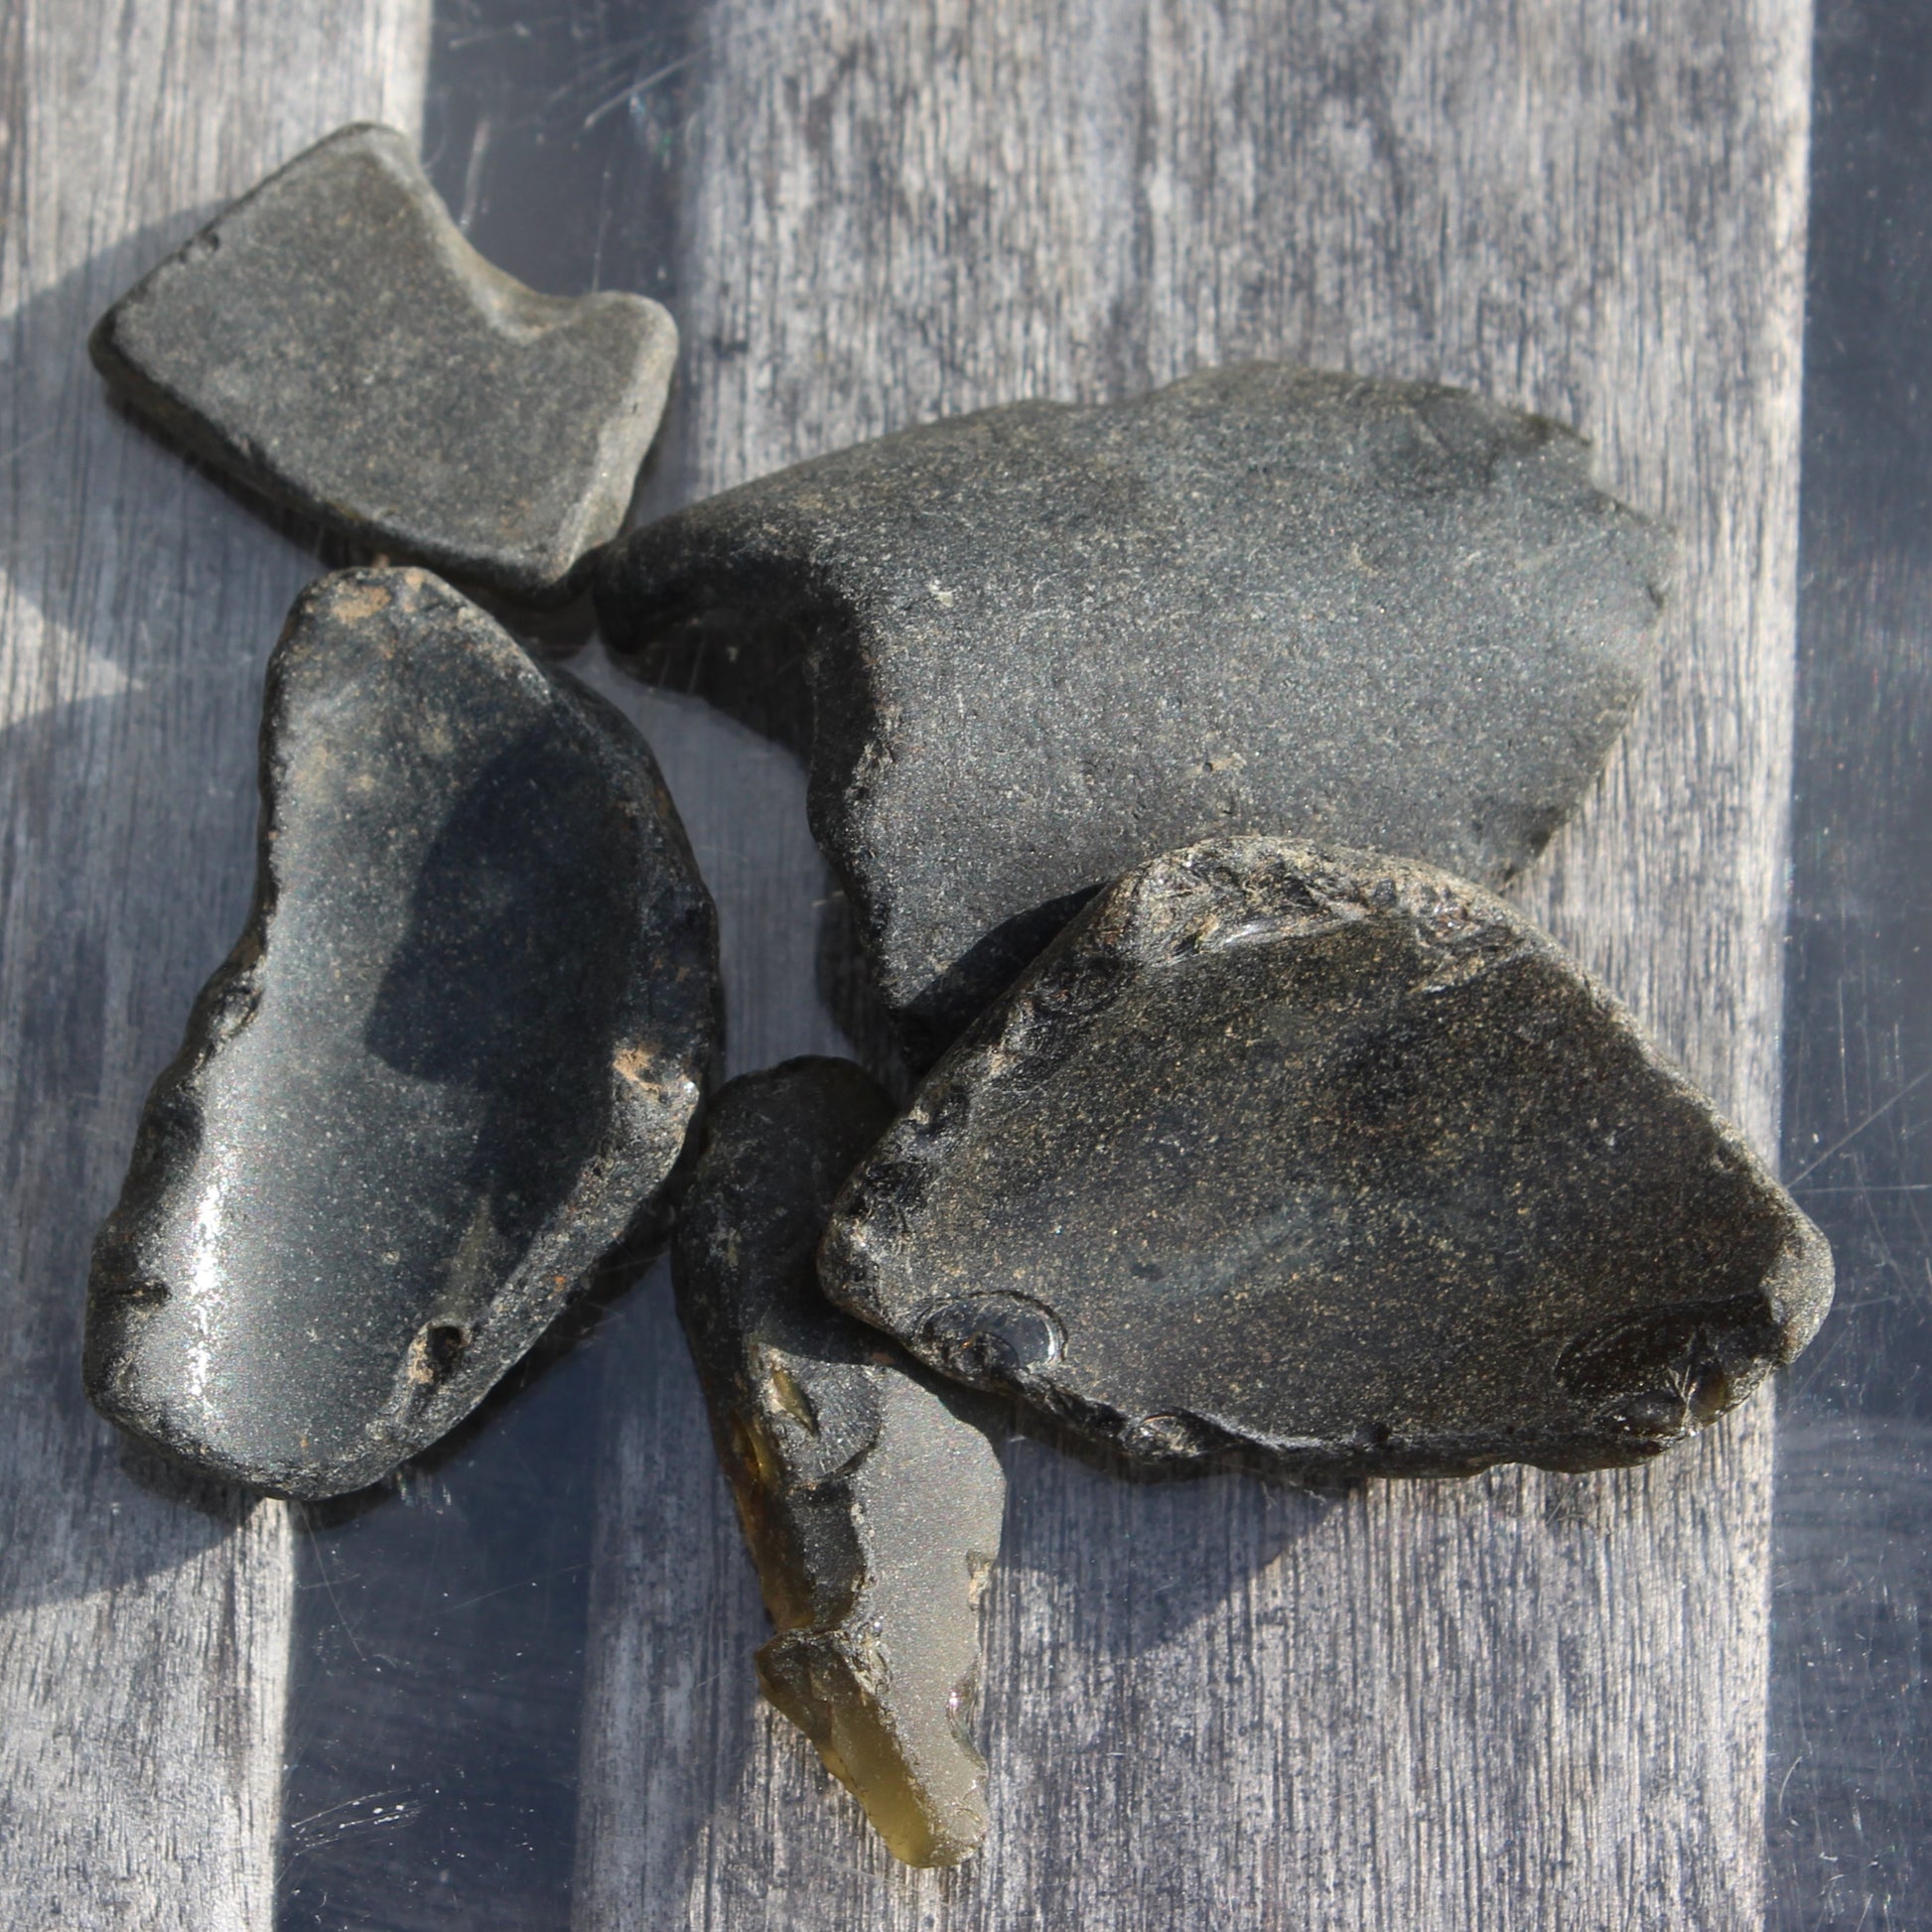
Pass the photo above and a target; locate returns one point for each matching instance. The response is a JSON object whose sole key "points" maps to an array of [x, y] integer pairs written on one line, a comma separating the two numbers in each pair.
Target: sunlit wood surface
{"points": [[1524, 1702]]}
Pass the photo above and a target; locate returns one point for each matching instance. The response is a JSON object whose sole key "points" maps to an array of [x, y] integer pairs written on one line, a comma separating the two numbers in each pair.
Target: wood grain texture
{"points": [[1523, 1702], [143, 1628]]}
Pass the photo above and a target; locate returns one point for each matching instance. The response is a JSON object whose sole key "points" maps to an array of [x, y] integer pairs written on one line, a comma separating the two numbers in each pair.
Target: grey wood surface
{"points": [[143, 1632], [1523, 1702]]}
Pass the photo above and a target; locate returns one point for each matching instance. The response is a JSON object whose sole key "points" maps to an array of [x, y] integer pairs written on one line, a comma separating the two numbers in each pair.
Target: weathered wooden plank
{"points": [[1527, 1701], [1850, 1712], [143, 1633]]}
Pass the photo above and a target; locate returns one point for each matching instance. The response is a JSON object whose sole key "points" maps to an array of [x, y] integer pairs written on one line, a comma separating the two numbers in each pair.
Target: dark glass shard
{"points": [[1032, 647], [333, 341], [871, 1494], [1331, 1161], [451, 1060]]}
